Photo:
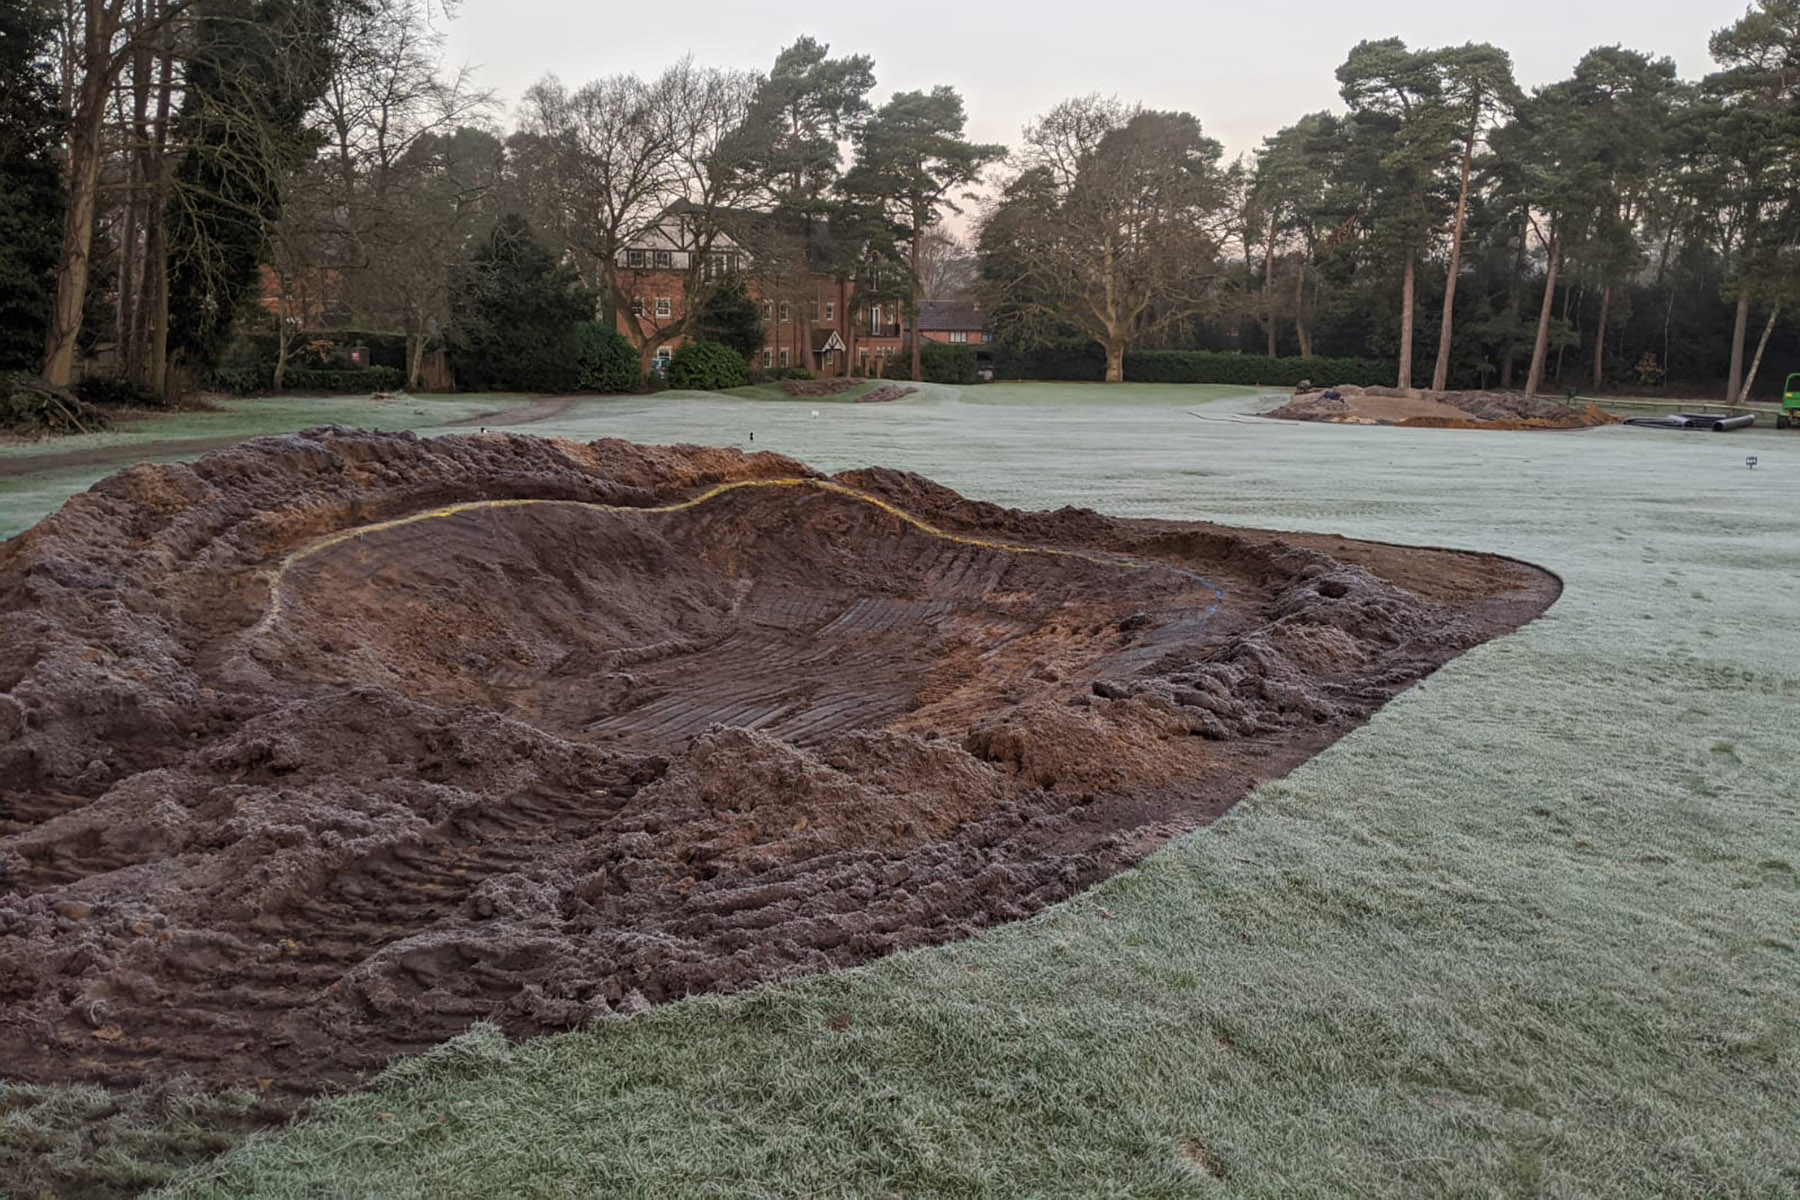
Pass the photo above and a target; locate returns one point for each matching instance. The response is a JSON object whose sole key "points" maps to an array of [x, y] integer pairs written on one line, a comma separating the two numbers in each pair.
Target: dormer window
{"points": [[665, 259], [635, 259]]}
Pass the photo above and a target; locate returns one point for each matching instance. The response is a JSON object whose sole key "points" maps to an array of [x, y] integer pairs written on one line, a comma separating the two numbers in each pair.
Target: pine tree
{"points": [[30, 185]]}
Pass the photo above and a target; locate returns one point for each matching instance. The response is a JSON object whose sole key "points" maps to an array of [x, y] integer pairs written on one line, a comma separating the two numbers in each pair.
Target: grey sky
{"points": [[1244, 68]]}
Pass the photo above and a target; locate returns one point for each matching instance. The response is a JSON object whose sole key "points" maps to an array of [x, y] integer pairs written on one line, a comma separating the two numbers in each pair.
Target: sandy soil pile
{"points": [[834, 386], [320, 749], [1439, 410], [886, 392]]}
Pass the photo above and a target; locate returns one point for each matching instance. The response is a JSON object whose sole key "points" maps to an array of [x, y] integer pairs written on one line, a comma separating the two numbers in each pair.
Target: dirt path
{"points": [[319, 750], [540, 409]]}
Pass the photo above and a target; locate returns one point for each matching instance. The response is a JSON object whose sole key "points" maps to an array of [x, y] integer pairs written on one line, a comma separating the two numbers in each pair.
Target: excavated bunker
{"points": [[320, 749]]}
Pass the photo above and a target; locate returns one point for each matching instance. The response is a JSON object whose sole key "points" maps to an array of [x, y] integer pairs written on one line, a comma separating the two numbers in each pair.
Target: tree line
{"points": [[1623, 217], [178, 175]]}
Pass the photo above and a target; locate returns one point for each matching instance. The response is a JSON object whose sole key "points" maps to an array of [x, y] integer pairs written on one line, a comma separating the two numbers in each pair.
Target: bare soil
{"points": [[319, 749], [1439, 410]]}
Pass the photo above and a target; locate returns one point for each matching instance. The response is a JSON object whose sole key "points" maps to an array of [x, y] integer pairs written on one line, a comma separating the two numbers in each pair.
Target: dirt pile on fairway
{"points": [[320, 749], [1439, 410], [886, 392], [835, 386]]}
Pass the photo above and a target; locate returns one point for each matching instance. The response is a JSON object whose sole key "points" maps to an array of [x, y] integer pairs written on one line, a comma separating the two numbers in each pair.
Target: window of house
{"points": [[815, 310], [768, 309], [875, 318], [786, 311], [637, 306], [784, 356], [959, 335], [831, 310], [665, 259], [634, 259], [664, 307], [768, 357]]}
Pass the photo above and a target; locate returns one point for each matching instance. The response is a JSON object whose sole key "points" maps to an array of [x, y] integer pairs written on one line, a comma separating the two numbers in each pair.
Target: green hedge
{"points": [[609, 363], [1193, 366], [948, 364], [707, 367]]}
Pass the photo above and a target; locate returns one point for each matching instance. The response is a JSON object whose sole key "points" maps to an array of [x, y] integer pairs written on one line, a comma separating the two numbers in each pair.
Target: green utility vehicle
{"points": [[1789, 416]]}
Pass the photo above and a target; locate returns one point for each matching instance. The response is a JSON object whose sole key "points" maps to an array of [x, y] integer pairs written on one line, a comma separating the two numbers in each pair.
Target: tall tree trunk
{"points": [[1406, 322], [1510, 353], [1115, 359], [1600, 337], [1440, 375], [1541, 350], [1562, 350], [1269, 287], [281, 332], [913, 306], [130, 340], [82, 182], [154, 307], [1738, 334], [1762, 344], [1301, 332]]}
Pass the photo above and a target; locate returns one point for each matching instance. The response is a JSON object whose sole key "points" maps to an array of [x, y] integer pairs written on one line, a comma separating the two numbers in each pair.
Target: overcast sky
{"points": [[1244, 67]]}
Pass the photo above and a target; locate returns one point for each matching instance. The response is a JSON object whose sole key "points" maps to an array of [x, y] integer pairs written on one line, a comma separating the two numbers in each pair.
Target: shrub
{"points": [[608, 360], [1204, 366], [28, 405], [371, 379], [707, 367], [116, 393], [1088, 362], [948, 364], [777, 374], [238, 381]]}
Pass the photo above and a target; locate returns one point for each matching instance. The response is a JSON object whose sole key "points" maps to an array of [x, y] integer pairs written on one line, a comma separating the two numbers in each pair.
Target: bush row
{"points": [[246, 381], [1193, 366]]}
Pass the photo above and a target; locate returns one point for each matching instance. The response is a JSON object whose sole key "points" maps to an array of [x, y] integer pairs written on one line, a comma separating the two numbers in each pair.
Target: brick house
{"points": [[952, 322], [806, 312]]}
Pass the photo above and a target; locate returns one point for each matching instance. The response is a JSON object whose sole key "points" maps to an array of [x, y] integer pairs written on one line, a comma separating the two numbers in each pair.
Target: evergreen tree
{"points": [[30, 184], [258, 67], [514, 314], [728, 315]]}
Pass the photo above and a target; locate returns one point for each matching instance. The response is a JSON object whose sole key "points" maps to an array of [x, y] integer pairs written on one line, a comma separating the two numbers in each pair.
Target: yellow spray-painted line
{"points": [[279, 575]]}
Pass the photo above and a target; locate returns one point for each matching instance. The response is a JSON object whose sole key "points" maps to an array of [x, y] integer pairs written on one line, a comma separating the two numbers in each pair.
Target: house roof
{"points": [[826, 339], [950, 315]]}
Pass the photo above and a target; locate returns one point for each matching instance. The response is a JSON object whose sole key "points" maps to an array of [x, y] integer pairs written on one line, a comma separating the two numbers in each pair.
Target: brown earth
{"points": [[318, 750], [1439, 410]]}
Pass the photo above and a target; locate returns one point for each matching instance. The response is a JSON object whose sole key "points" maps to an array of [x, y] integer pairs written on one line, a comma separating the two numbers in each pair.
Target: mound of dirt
{"points": [[881, 395], [1439, 410], [835, 386], [320, 749]]}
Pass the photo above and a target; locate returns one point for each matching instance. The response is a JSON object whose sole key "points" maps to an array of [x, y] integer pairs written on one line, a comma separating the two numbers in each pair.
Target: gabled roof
{"points": [[949, 315], [826, 339]]}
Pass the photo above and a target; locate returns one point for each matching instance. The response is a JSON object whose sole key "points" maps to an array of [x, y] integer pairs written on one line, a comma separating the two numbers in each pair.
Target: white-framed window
{"points": [[768, 357], [959, 335], [665, 307], [784, 356], [787, 312], [875, 319], [815, 310], [637, 306], [831, 310], [663, 355], [665, 259], [768, 309], [635, 259]]}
